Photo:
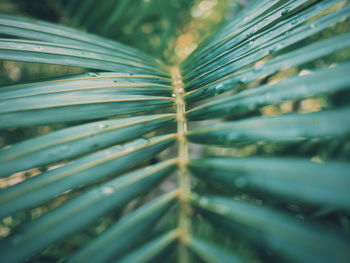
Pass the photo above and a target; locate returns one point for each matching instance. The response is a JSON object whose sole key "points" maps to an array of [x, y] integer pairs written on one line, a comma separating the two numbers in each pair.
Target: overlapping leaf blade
{"points": [[261, 48], [86, 170], [78, 140], [289, 179], [53, 33], [245, 31], [211, 253], [324, 81], [125, 232], [81, 211], [271, 30], [39, 110], [68, 55], [92, 83], [294, 58], [288, 237], [285, 128], [151, 249]]}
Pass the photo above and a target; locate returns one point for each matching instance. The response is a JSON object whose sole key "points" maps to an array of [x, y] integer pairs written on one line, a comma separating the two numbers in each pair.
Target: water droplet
{"points": [[231, 137], [241, 182], [107, 190], [102, 125], [147, 140], [258, 68], [285, 12], [60, 150], [312, 25], [250, 43], [219, 89], [92, 74], [118, 148], [201, 92], [173, 95], [275, 48], [295, 21], [243, 80], [305, 72], [95, 146]]}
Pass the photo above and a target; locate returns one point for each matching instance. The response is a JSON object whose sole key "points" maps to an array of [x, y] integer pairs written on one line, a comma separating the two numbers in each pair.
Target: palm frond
{"points": [[127, 230], [298, 240], [204, 131], [83, 210]]}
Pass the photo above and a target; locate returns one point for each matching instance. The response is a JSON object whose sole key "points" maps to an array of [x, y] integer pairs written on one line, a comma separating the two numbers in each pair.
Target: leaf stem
{"points": [[183, 174]]}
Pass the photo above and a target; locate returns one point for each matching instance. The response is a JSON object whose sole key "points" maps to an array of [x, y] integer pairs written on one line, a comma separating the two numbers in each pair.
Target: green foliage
{"points": [[134, 160]]}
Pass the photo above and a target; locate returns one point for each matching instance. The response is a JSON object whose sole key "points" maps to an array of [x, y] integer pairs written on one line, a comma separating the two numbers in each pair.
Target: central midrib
{"points": [[183, 174]]}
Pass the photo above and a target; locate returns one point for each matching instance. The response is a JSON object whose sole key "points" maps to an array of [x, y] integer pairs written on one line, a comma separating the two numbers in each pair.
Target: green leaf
{"points": [[151, 249], [125, 232], [288, 179], [289, 237], [81, 211], [96, 176], [293, 58], [239, 45], [35, 110], [92, 83], [211, 253], [323, 81], [261, 48], [83, 171], [246, 47], [74, 141], [285, 128], [238, 30], [68, 55], [242, 20], [50, 32]]}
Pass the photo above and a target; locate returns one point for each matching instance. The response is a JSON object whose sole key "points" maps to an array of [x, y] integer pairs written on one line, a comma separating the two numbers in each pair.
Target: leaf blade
{"points": [[324, 81], [80, 212], [74, 141], [83, 171], [285, 235], [148, 251], [285, 128], [126, 231], [287, 178], [211, 253]]}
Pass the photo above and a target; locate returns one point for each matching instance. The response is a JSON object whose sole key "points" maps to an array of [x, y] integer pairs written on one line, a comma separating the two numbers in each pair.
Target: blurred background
{"points": [[166, 29]]}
